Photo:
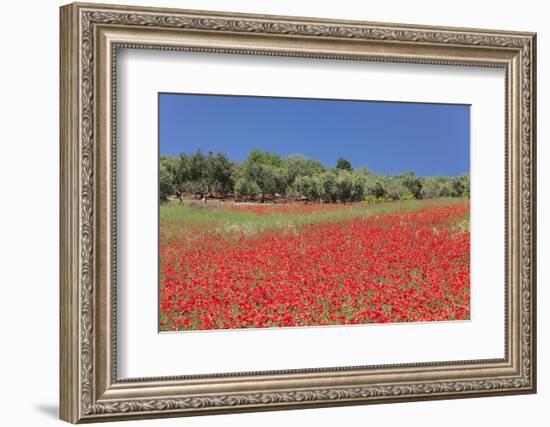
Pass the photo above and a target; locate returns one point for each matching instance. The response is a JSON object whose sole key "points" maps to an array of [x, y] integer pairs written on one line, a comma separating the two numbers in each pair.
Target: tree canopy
{"points": [[343, 164], [268, 175]]}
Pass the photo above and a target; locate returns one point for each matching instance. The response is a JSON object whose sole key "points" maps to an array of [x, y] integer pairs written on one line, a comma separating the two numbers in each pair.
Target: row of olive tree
{"points": [[265, 175]]}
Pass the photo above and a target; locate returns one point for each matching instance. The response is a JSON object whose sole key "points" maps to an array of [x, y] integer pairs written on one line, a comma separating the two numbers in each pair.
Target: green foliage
{"points": [[166, 180], [204, 174], [264, 158], [308, 187], [441, 186], [269, 175], [171, 164], [219, 170], [376, 189], [269, 179], [344, 186], [327, 181], [412, 183], [343, 164], [296, 165], [465, 184], [358, 182], [407, 196], [246, 187]]}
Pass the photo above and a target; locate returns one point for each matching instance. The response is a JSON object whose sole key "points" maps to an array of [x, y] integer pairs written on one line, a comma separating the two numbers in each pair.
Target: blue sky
{"points": [[386, 137]]}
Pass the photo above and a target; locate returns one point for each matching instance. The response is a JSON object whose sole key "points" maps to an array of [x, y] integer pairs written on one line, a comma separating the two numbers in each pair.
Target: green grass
{"points": [[224, 220]]}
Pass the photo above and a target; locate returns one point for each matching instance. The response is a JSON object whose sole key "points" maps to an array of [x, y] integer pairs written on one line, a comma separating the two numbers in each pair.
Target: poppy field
{"points": [[252, 265]]}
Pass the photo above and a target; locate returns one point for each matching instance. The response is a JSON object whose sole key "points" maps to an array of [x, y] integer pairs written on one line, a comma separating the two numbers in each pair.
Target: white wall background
{"points": [[29, 180]]}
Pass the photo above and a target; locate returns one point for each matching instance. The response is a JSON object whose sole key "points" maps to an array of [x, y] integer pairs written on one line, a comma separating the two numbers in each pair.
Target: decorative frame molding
{"points": [[90, 36]]}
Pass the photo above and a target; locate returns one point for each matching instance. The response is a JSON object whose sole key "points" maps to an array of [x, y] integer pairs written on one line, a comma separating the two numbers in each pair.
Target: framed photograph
{"points": [[266, 212]]}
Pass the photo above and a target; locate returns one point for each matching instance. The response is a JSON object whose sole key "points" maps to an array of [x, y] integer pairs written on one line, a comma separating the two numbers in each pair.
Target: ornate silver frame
{"points": [[90, 36]]}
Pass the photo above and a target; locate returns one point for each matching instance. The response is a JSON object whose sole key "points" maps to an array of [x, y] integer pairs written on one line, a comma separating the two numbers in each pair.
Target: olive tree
{"points": [[307, 186], [166, 182], [343, 164]]}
